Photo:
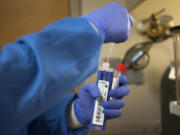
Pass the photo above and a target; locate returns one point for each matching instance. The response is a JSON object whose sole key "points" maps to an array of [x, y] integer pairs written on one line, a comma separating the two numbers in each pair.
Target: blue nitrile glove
{"points": [[112, 108], [83, 106], [113, 22]]}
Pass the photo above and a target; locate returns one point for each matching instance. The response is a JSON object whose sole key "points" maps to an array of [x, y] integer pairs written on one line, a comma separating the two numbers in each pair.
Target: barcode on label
{"points": [[98, 115]]}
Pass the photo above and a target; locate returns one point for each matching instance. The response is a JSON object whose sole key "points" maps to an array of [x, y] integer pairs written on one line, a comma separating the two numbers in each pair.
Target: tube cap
{"points": [[121, 67]]}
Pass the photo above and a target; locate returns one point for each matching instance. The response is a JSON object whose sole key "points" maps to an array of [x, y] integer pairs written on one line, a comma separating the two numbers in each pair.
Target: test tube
{"points": [[104, 82], [120, 68]]}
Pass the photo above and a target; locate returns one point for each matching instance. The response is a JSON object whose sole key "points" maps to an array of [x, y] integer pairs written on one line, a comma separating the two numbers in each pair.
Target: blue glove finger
{"points": [[109, 118], [112, 113], [114, 104], [92, 89], [123, 80], [119, 92]]}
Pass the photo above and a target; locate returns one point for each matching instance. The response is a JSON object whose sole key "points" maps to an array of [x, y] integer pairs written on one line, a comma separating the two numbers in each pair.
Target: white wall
{"points": [[142, 111]]}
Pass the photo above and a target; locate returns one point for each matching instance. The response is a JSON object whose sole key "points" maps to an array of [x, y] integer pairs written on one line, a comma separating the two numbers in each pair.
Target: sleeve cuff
{"points": [[73, 122]]}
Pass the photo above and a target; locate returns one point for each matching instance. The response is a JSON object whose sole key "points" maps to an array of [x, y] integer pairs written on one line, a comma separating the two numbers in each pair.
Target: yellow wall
{"points": [[142, 111], [19, 17]]}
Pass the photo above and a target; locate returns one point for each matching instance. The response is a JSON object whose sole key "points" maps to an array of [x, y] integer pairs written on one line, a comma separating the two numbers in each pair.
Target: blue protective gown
{"points": [[37, 71]]}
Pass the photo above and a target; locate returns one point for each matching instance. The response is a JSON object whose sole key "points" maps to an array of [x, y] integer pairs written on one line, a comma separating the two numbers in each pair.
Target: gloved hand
{"points": [[83, 106], [113, 22]]}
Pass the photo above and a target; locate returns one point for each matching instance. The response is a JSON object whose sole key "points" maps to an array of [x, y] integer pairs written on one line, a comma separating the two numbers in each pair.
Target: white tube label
{"points": [[98, 116]]}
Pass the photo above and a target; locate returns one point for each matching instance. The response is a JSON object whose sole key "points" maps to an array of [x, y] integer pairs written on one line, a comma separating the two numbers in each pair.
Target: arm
{"points": [[38, 69], [55, 120], [66, 119]]}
